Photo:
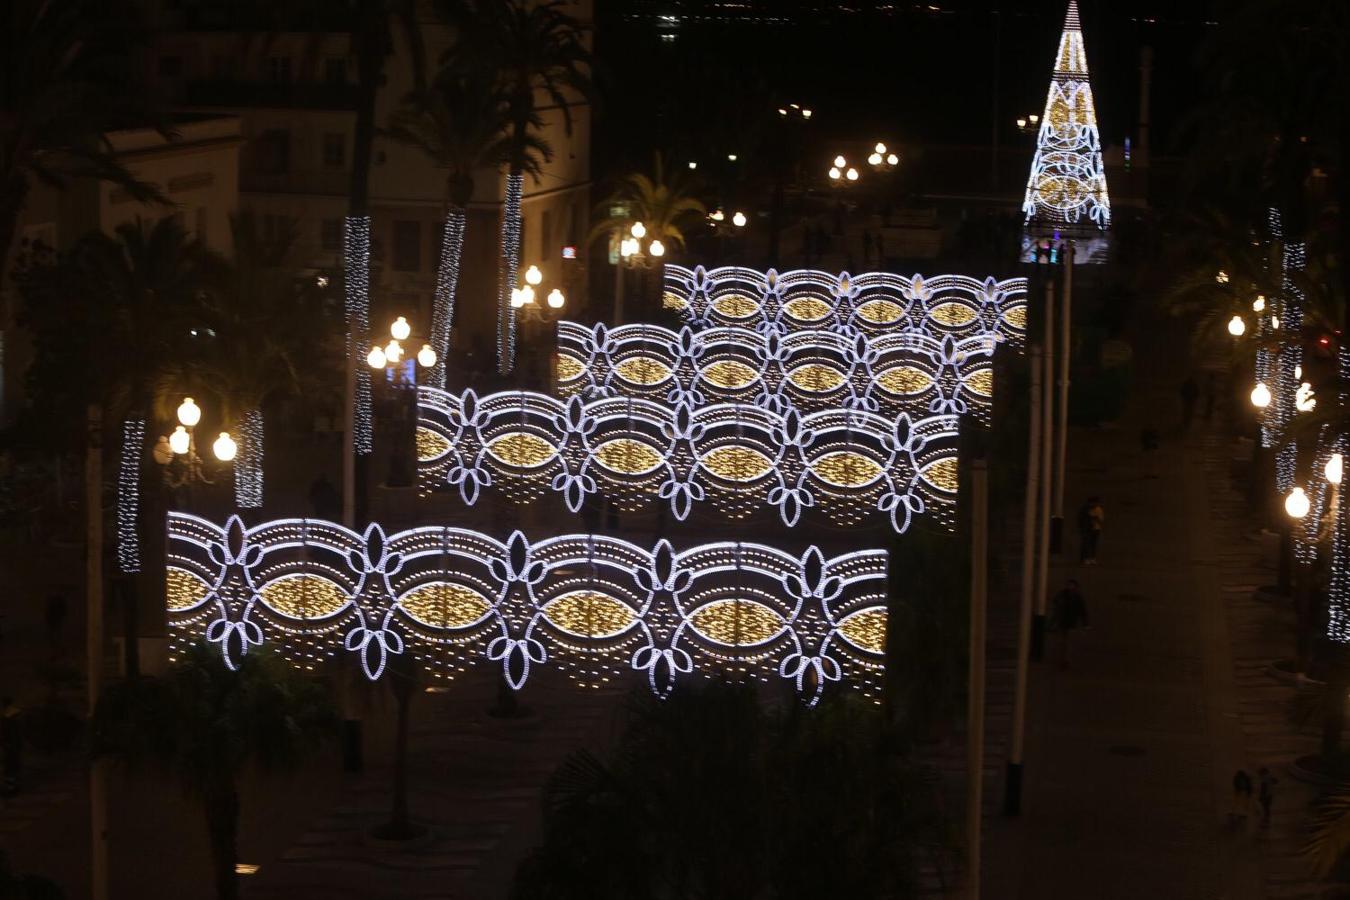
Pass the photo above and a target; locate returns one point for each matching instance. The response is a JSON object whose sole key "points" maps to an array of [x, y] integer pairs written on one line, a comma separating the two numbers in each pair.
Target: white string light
{"points": [[594, 606], [248, 461], [1338, 590], [356, 267], [1068, 180], [129, 496], [447, 282], [506, 313]]}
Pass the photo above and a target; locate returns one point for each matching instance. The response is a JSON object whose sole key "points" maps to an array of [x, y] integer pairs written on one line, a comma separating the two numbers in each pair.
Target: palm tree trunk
{"points": [[447, 282], [248, 462], [222, 824], [506, 314]]}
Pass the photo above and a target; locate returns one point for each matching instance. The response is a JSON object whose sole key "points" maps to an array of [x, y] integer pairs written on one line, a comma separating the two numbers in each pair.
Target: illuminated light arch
{"points": [[1068, 181], [813, 370], [595, 607], [737, 457], [873, 303]]}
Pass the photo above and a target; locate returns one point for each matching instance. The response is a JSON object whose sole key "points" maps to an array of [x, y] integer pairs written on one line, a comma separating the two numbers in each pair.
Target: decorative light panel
{"points": [[739, 458], [870, 302], [1068, 181], [811, 370], [594, 606]]}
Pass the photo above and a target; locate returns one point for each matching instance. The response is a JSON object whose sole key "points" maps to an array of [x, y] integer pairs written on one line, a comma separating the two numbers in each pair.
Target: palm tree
{"points": [[534, 49], [207, 724], [65, 70], [461, 124]]}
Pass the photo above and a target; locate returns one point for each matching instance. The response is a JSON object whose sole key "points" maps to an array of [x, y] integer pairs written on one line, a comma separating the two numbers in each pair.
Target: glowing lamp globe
{"points": [[1021, 123], [806, 114], [738, 219], [1275, 322], [835, 174], [657, 249], [376, 358], [892, 159], [400, 329], [840, 161], [693, 165], [426, 357], [526, 295], [717, 215], [851, 174], [189, 413], [1298, 371], [1297, 503], [1334, 469], [1259, 303], [179, 441], [1236, 326], [393, 351], [1260, 396], [1222, 277], [1304, 400], [224, 448], [874, 159], [534, 276], [1035, 119], [556, 299], [880, 148], [731, 157]]}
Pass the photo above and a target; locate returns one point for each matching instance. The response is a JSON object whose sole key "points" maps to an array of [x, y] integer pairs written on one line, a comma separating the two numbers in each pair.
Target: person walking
{"points": [[1091, 518], [1265, 794], [11, 748], [1242, 796], [1070, 612], [1190, 392]]}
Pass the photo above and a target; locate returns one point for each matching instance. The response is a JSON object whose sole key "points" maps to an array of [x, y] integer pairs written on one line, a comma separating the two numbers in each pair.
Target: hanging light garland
{"points": [[129, 496]]}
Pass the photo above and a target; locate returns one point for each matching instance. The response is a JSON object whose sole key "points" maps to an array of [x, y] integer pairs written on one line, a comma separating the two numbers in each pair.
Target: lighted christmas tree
{"points": [[1068, 182]]}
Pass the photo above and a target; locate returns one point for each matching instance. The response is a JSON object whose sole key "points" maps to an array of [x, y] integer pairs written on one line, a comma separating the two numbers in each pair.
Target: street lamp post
{"points": [[177, 452], [636, 251], [390, 360]]}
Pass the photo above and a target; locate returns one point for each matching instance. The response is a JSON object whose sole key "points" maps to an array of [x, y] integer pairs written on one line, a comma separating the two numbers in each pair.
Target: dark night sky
{"points": [[908, 70]]}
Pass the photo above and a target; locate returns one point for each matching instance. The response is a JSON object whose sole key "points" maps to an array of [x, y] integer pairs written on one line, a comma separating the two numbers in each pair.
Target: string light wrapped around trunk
{"points": [[1338, 590], [506, 314], [447, 282], [129, 496], [248, 462], [356, 269]]}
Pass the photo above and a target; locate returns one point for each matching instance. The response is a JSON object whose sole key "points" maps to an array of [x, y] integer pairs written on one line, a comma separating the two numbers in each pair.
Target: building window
{"points": [[335, 70], [279, 69], [170, 66], [335, 150], [407, 246], [330, 235], [272, 152]]}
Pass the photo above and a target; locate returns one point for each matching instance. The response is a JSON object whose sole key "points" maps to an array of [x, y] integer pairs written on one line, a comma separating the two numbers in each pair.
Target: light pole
{"points": [[535, 317], [403, 378], [637, 250], [177, 455]]}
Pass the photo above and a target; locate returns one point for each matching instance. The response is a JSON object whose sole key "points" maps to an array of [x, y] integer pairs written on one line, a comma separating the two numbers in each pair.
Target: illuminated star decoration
{"points": [[873, 303], [852, 464], [1068, 181], [593, 606]]}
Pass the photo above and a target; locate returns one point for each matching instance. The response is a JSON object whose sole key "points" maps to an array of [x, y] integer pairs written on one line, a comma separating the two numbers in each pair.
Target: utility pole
{"points": [[1047, 435], [93, 592], [1062, 426], [1012, 798], [979, 582]]}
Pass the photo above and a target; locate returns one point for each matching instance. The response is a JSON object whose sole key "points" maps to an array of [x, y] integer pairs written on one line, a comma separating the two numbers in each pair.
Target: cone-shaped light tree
{"points": [[1067, 182]]}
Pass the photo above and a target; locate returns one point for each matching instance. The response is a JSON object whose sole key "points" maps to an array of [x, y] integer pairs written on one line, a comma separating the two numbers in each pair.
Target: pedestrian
{"points": [[11, 747], [1069, 612], [1091, 518], [1265, 793], [1190, 392], [1242, 796], [55, 615]]}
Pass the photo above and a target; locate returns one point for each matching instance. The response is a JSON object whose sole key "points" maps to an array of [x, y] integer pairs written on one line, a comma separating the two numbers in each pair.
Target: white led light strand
{"points": [[739, 458], [447, 283], [1289, 364], [506, 313], [869, 302], [889, 373], [248, 461], [356, 274], [1068, 179], [129, 496], [1338, 590], [594, 606]]}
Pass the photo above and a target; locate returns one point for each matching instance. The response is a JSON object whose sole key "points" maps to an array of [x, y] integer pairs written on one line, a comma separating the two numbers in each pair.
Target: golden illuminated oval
{"points": [[846, 468], [952, 314], [904, 380], [442, 605], [628, 456], [729, 374], [735, 306], [737, 623], [570, 368], [671, 300], [522, 450], [1016, 316], [881, 312], [981, 381], [643, 370], [816, 378], [183, 589], [430, 444], [942, 474], [737, 463], [303, 596], [807, 309], [589, 614], [865, 629]]}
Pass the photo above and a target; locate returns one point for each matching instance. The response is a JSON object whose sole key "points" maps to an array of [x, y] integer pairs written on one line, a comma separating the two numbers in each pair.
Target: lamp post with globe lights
{"points": [[400, 406], [176, 453], [638, 249]]}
